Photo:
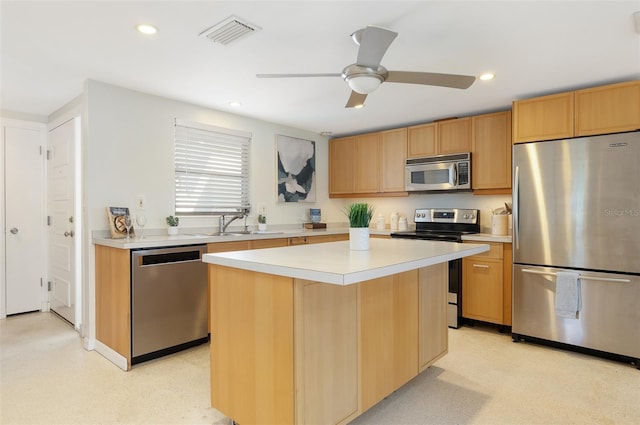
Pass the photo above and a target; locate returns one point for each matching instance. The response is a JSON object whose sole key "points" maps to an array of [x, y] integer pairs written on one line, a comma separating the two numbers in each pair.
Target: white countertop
{"points": [[189, 237], [335, 263], [487, 237]]}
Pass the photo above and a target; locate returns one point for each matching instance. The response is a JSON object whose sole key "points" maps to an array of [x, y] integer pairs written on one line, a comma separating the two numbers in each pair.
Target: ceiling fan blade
{"points": [[431, 79], [374, 43], [356, 99], [296, 75]]}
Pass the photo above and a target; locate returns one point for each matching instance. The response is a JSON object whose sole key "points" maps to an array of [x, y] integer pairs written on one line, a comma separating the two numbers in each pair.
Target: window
{"points": [[211, 169]]}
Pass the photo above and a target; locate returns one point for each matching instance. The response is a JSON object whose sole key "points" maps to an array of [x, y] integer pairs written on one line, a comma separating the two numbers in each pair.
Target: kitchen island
{"points": [[318, 334]]}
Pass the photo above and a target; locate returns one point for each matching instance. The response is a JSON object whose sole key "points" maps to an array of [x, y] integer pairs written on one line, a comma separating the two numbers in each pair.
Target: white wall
{"points": [[130, 153]]}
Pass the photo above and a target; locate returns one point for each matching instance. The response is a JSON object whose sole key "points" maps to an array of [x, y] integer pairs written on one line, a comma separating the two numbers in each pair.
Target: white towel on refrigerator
{"points": [[568, 299]]}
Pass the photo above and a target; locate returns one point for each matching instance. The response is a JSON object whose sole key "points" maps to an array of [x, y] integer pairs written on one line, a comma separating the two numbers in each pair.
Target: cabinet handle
{"points": [[481, 266]]}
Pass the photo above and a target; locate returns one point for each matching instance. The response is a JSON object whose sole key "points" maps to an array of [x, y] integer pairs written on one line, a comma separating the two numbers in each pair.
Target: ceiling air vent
{"points": [[229, 30]]}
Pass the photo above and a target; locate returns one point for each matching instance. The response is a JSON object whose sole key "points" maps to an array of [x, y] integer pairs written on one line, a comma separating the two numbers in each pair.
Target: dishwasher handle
{"points": [[172, 257]]}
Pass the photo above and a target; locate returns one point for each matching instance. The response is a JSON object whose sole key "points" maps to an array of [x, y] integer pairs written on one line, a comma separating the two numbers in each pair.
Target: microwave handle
{"points": [[455, 175]]}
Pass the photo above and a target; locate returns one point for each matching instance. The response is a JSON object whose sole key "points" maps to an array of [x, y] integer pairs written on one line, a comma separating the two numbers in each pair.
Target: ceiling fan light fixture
{"points": [[364, 84], [487, 76]]}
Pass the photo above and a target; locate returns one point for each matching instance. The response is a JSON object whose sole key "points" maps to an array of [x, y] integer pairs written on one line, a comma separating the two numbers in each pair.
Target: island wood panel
{"points": [[433, 285], [388, 309], [326, 347], [113, 294], [608, 109], [252, 345]]}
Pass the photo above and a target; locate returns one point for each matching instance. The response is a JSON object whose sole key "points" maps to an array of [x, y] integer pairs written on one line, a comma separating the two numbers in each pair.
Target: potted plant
{"points": [[262, 222], [172, 222], [359, 215]]}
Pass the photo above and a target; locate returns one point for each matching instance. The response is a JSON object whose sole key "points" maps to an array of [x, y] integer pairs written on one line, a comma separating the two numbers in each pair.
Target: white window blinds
{"points": [[211, 169]]}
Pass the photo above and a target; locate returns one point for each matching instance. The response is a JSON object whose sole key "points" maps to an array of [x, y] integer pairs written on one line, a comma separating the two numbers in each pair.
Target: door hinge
{"points": [[48, 154], [49, 286], [48, 220], [41, 282]]}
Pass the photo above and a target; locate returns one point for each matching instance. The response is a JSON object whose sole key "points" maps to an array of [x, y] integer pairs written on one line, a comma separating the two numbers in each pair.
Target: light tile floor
{"points": [[48, 378]]}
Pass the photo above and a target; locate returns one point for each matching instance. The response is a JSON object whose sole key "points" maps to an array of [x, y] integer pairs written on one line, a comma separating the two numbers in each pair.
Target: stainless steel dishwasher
{"points": [[168, 301]]}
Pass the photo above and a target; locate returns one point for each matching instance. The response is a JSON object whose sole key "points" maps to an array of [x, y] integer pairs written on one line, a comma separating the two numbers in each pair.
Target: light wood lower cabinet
{"points": [[486, 285], [287, 350], [113, 295], [388, 335]]}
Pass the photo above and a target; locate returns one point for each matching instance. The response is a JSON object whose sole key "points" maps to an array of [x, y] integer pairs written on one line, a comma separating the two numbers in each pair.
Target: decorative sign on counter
{"points": [[117, 226]]}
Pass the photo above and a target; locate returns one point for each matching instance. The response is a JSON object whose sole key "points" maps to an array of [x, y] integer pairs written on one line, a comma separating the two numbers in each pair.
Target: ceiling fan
{"points": [[367, 74]]}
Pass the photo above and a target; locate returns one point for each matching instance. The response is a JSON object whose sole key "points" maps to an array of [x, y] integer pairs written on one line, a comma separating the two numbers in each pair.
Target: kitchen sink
{"points": [[206, 235]]}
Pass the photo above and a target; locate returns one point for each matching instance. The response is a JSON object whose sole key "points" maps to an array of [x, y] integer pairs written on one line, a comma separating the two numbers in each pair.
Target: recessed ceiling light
{"points": [[235, 104], [146, 29], [487, 76]]}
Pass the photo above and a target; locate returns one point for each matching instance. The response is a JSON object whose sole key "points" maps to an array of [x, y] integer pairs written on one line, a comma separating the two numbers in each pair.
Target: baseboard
{"points": [[111, 355]]}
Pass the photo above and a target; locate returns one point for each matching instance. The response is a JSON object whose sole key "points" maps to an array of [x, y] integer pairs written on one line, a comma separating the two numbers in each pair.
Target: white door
{"points": [[62, 228], [24, 219]]}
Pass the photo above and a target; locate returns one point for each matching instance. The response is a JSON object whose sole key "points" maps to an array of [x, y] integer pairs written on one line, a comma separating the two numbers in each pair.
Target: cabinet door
{"points": [[367, 163], [433, 327], [422, 140], [388, 311], [491, 151], [268, 243], [454, 136], [543, 118], [328, 238], [482, 294], [393, 152], [507, 276], [342, 156], [608, 109], [326, 352]]}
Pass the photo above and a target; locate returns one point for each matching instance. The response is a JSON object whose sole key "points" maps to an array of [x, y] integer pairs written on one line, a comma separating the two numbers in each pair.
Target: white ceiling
{"points": [[50, 48]]}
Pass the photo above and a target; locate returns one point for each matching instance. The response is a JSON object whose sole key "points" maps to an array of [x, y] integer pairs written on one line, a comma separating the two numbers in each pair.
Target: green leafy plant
{"points": [[359, 214], [173, 221], [262, 219]]}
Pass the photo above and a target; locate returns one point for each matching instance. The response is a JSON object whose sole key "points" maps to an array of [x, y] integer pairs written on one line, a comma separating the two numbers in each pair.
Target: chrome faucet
{"points": [[224, 224]]}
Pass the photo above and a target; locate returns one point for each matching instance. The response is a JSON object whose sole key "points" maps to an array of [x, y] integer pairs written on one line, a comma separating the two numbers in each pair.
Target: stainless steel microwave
{"points": [[438, 173]]}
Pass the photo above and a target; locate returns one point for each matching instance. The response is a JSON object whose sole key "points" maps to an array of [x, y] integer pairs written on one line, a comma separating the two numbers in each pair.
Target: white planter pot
{"points": [[359, 238], [172, 230], [262, 227]]}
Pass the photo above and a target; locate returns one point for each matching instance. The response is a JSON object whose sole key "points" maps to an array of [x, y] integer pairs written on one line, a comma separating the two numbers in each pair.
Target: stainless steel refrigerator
{"points": [[577, 212]]}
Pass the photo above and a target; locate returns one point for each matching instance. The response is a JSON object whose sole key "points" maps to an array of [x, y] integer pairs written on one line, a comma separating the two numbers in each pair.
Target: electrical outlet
{"points": [[141, 202], [262, 209]]}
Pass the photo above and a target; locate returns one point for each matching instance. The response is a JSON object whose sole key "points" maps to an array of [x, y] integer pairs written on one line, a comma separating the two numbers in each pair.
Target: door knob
{"points": [[68, 234], [14, 231]]}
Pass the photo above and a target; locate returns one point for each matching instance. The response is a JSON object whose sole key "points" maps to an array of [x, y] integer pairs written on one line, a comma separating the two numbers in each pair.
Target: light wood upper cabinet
{"points": [[422, 140], [439, 138], [373, 163], [491, 151], [367, 163], [341, 157], [608, 109], [543, 118], [454, 136], [393, 153]]}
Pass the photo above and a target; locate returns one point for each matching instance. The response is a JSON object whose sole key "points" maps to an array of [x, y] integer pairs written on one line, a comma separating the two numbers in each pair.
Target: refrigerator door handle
{"points": [[516, 202], [601, 279]]}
